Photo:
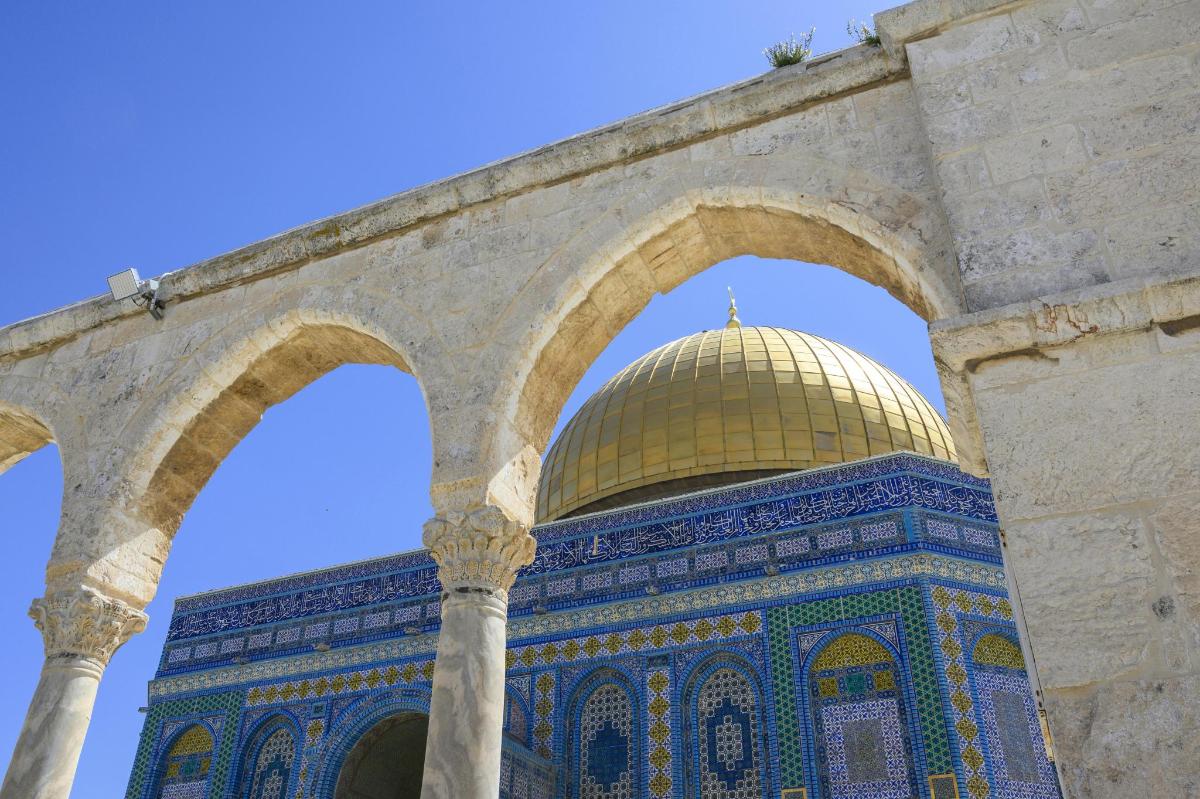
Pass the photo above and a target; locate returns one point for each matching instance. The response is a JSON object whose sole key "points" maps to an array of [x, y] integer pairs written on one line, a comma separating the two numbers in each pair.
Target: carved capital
{"points": [[480, 548], [85, 624]]}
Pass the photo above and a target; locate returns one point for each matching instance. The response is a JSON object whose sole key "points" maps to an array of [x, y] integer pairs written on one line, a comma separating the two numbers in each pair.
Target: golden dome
{"points": [[728, 405]]}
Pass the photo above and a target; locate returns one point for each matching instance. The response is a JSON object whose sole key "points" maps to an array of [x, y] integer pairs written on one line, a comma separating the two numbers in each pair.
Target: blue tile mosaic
{"points": [[647, 653]]}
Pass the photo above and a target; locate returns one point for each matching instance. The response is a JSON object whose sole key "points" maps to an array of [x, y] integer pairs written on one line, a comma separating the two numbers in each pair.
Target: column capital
{"points": [[478, 548], [84, 623]]}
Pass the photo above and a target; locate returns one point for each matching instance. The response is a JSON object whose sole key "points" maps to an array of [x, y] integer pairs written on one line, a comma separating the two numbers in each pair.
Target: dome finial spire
{"points": [[733, 317]]}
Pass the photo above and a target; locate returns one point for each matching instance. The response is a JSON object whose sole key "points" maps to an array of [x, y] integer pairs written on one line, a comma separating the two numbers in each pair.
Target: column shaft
{"points": [[81, 629], [478, 553], [47, 752], [462, 759]]}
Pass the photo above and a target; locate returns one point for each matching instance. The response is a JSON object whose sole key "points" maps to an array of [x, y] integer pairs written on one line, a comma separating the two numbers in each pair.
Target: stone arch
{"points": [[724, 675], [270, 758], [22, 433], [200, 424], [604, 712], [658, 239], [198, 414]]}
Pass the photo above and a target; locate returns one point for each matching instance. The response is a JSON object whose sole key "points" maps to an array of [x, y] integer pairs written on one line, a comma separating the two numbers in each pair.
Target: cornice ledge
{"points": [[1171, 303], [921, 19]]}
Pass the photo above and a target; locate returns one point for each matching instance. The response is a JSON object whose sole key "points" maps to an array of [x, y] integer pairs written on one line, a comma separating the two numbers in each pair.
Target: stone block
{"points": [[1086, 585], [970, 126], [1128, 738], [1016, 205], [1168, 121], [1023, 72], [1164, 240], [1112, 189], [963, 45], [1080, 96], [1168, 28], [1057, 458], [1041, 152], [1033, 250]]}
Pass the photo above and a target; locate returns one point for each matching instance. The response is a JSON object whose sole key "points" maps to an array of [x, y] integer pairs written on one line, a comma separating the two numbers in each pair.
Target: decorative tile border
{"points": [[770, 589], [660, 743], [774, 505]]}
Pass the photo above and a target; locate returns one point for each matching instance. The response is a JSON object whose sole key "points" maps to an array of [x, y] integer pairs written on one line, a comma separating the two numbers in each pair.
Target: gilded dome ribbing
{"points": [[741, 399]]}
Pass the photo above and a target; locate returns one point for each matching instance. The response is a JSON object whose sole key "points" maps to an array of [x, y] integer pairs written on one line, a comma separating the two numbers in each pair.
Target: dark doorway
{"points": [[387, 762]]}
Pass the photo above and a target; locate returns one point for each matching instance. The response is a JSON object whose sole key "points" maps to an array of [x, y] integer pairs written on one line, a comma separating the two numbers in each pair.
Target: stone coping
{"points": [[668, 127]]}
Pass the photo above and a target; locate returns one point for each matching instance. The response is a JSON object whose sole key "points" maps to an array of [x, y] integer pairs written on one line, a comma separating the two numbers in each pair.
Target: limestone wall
{"points": [[1065, 135]]}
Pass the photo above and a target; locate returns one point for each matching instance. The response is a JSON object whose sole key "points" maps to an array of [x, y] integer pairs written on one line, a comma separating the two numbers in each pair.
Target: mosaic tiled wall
{"points": [[217, 712], [681, 656], [894, 503]]}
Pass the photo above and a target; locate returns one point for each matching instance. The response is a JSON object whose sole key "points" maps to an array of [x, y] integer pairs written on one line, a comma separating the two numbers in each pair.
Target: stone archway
{"points": [[387, 762]]}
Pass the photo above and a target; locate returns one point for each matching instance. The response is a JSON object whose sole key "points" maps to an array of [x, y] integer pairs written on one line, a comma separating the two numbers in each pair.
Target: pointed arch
{"points": [[861, 741], [22, 433], [516, 717], [604, 738], [270, 760], [209, 408], [659, 238], [185, 768], [724, 716], [1007, 716], [181, 433]]}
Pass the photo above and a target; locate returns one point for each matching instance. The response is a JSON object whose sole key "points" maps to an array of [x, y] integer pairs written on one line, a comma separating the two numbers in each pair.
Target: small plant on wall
{"points": [[862, 33], [792, 51]]}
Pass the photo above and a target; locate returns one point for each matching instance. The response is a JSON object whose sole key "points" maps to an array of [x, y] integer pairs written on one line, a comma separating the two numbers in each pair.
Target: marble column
{"points": [[478, 553], [81, 629]]}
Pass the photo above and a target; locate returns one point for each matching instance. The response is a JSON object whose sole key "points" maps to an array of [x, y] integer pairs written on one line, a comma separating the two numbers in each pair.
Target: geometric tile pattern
{"points": [[606, 745], [618, 642], [906, 609], [658, 730], [656, 652], [950, 606], [728, 726], [993, 649], [349, 682], [860, 736], [865, 751], [1020, 768], [212, 708], [273, 765], [776, 506], [184, 771], [543, 708]]}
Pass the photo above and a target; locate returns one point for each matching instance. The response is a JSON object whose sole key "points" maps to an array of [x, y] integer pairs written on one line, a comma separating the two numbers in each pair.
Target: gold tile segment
{"points": [[732, 400]]}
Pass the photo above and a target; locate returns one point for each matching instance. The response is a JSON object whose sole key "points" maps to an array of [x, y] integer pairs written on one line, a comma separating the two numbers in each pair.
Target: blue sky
{"points": [[155, 135]]}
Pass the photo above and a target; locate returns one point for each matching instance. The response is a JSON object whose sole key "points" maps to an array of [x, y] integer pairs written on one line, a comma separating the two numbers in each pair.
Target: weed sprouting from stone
{"points": [[862, 33], [792, 51]]}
